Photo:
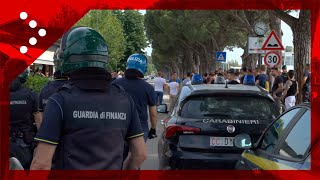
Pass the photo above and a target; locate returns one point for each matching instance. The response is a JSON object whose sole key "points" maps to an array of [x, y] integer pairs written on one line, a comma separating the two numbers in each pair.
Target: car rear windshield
{"points": [[231, 107]]}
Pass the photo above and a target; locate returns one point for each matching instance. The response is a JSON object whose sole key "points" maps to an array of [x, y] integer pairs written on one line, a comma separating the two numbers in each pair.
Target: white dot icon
{"points": [[33, 24], [23, 15], [42, 32], [33, 41], [23, 49]]}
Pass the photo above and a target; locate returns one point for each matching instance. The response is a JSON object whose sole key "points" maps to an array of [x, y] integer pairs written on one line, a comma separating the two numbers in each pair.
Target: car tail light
{"points": [[174, 128]]}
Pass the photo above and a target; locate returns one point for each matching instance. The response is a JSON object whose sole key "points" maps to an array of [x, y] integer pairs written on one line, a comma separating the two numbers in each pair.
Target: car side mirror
{"points": [[162, 108], [243, 141]]}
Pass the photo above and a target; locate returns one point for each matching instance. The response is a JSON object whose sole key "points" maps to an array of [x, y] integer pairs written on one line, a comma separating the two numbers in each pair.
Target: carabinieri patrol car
{"points": [[285, 145], [200, 129]]}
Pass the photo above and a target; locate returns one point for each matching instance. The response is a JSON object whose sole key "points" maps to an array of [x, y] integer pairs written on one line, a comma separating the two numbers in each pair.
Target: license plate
{"points": [[221, 141]]}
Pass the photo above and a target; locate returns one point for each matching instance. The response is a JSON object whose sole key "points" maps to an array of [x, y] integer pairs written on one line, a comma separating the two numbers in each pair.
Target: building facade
{"points": [[44, 64]]}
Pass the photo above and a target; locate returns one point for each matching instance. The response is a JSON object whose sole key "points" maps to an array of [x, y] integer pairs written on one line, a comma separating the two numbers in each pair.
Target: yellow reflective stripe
{"points": [[130, 137], [266, 164], [43, 140]]}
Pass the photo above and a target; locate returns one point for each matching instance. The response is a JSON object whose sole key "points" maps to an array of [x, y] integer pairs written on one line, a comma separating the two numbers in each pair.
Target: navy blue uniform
{"points": [[48, 90], [89, 127], [143, 95], [23, 105]]}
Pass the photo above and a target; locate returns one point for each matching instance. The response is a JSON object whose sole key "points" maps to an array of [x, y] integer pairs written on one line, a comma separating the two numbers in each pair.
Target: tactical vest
{"points": [[21, 110], [48, 90], [95, 124]]}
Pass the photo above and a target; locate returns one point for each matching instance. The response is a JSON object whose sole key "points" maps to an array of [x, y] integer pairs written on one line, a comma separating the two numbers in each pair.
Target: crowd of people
{"points": [[281, 83], [88, 118]]}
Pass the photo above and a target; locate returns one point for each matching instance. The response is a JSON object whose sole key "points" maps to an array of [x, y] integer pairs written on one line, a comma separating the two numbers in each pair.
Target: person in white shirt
{"points": [[173, 89], [187, 79], [159, 86]]}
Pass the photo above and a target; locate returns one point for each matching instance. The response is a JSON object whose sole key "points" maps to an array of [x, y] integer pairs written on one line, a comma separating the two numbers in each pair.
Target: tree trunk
{"points": [[176, 67], [253, 61], [245, 57], [302, 47], [188, 59], [275, 24], [192, 62], [211, 62], [301, 41], [198, 63]]}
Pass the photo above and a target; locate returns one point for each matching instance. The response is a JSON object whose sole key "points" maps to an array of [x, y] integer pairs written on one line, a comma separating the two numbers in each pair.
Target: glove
{"points": [[152, 133]]}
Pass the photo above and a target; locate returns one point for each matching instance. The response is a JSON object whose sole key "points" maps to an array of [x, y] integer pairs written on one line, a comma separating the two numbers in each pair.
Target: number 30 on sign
{"points": [[272, 59]]}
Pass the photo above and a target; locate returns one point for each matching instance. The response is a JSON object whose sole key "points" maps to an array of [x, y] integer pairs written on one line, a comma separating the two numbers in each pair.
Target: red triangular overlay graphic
{"points": [[273, 42]]}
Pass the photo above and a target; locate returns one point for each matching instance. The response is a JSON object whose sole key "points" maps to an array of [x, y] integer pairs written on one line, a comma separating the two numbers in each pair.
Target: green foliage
{"points": [[182, 38], [191, 36], [110, 27], [36, 82], [151, 68], [234, 63], [135, 39], [122, 30]]}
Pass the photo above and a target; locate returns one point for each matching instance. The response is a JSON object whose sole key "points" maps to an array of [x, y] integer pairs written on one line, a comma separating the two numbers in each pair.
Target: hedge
{"points": [[36, 82]]}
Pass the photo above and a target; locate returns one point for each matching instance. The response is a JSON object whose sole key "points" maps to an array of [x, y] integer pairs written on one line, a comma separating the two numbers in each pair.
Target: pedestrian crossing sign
{"points": [[221, 56]]}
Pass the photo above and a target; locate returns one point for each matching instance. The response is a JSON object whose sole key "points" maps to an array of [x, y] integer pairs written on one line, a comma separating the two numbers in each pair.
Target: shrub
{"points": [[36, 82]]}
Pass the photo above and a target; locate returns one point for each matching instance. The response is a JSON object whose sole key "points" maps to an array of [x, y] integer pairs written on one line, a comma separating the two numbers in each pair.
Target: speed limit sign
{"points": [[272, 59]]}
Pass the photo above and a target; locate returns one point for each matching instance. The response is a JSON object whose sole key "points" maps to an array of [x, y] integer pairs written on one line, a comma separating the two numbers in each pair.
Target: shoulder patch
{"points": [[67, 87]]}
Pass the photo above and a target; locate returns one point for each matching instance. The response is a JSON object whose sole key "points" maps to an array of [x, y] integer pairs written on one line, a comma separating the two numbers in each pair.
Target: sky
{"points": [[287, 40]]}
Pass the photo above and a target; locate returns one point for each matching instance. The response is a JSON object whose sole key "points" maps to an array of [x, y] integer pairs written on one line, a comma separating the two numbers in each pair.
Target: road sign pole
{"points": [[259, 60]]}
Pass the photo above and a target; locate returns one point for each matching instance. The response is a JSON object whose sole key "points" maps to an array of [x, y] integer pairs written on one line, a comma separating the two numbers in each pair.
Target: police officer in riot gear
{"points": [[142, 93], [88, 120], [52, 86], [197, 79], [23, 116]]}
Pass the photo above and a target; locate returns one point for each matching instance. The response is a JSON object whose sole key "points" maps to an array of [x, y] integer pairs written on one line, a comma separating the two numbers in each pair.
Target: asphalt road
{"points": [[152, 163]]}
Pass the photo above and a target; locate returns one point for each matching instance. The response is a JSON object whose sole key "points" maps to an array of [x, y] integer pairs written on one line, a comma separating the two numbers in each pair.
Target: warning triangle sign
{"points": [[272, 43], [221, 58]]}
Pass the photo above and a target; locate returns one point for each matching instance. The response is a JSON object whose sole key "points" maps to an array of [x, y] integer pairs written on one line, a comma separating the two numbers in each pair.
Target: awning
{"points": [[41, 61], [45, 58]]}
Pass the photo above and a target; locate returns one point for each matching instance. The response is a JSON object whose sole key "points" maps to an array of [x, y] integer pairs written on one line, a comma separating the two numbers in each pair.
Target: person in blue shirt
{"points": [[174, 74], [52, 86], [197, 79], [249, 79], [87, 122], [263, 77], [142, 93]]}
